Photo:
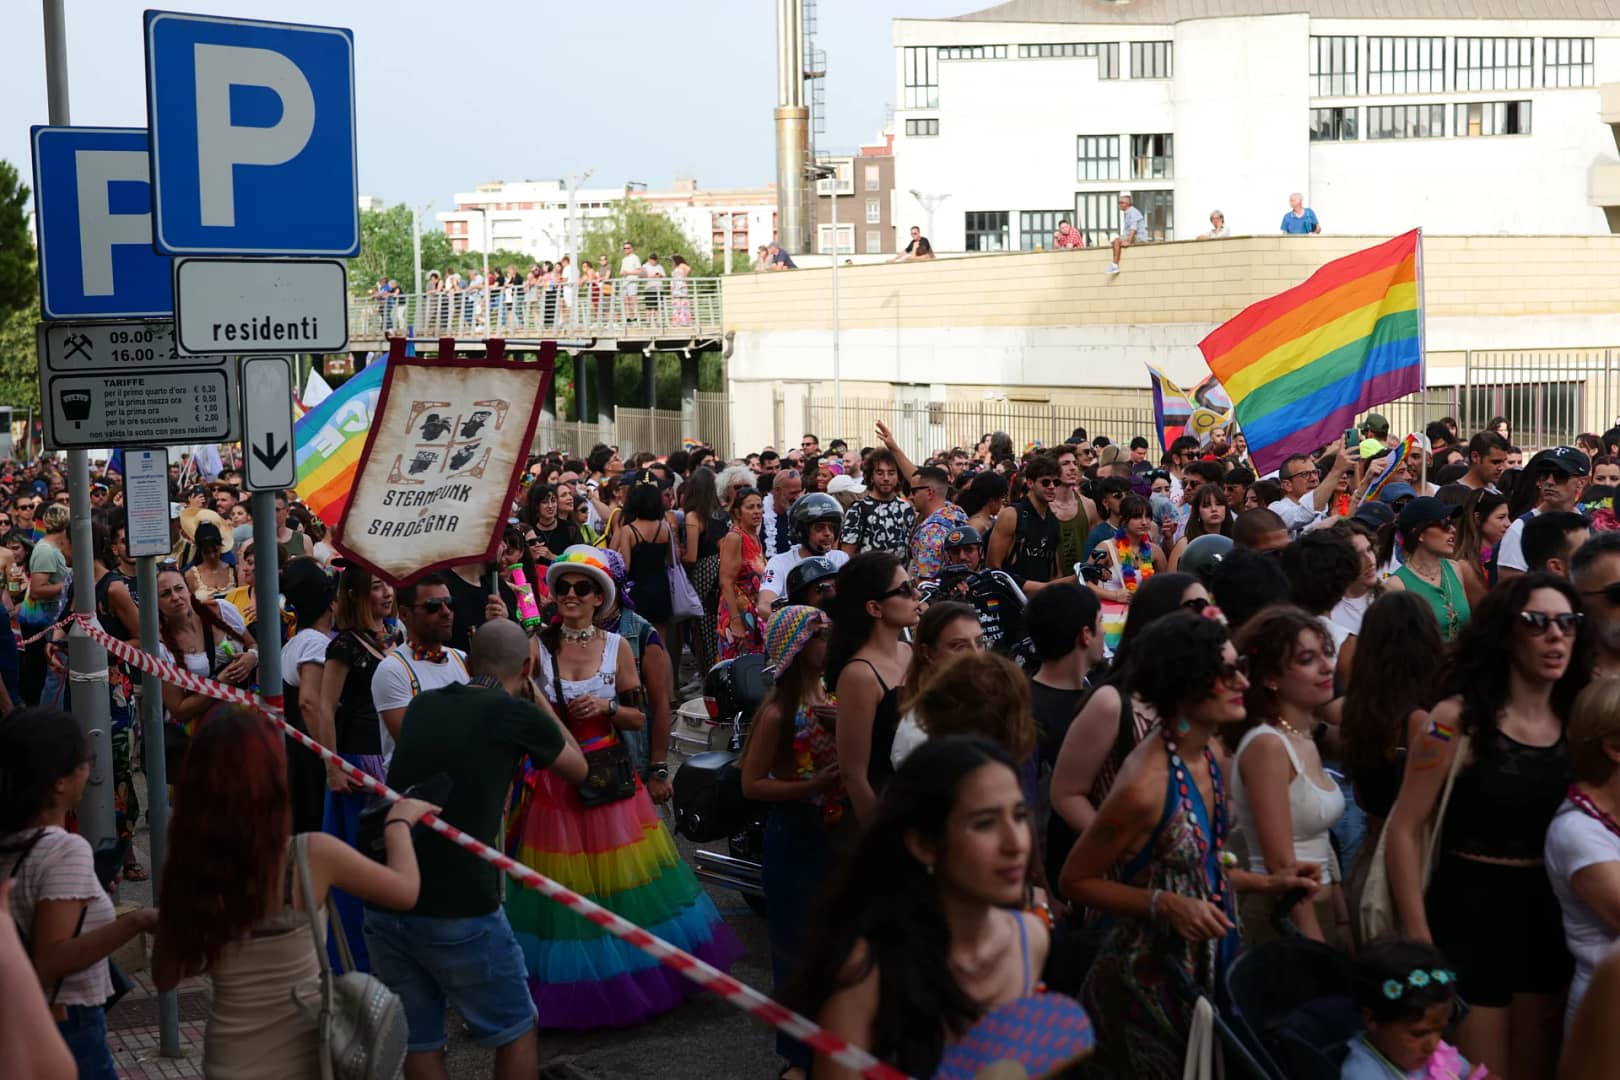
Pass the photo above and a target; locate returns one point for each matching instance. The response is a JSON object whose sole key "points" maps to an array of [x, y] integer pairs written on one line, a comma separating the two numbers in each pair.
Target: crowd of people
{"points": [[1081, 717]]}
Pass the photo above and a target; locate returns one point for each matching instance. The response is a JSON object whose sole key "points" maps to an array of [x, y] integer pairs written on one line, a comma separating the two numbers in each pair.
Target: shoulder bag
{"points": [[610, 775], [361, 1022], [683, 599], [1376, 915]]}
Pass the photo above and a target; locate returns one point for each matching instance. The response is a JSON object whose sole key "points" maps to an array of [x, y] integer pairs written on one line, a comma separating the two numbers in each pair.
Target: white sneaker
{"points": [[1113, 268]]}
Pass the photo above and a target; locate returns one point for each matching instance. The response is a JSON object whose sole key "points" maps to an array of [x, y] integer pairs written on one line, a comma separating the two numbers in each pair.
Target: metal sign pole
{"points": [[157, 780], [267, 596], [87, 660]]}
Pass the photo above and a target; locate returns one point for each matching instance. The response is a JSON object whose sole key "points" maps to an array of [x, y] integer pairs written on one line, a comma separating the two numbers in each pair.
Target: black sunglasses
{"points": [[1196, 605], [1239, 667], [905, 588], [433, 606], [580, 588], [1610, 592], [1537, 622]]}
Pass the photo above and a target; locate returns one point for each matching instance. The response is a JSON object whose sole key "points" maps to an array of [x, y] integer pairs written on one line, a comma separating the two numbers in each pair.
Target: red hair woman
{"points": [[235, 898]]}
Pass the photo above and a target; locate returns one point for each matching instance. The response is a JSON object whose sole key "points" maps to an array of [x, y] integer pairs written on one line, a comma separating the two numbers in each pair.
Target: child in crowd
{"points": [[1407, 996]]}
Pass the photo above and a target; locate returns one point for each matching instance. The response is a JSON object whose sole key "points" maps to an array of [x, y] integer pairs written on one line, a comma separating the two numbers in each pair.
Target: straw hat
{"points": [[191, 517]]}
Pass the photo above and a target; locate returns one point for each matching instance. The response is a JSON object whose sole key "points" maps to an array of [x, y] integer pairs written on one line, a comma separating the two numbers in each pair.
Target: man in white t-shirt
{"points": [[630, 273], [1304, 499], [424, 662], [1559, 474], [816, 517]]}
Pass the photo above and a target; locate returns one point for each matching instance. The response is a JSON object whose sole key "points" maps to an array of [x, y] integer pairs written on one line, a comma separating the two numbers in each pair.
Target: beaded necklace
{"points": [[1584, 803], [1135, 564], [1185, 789]]}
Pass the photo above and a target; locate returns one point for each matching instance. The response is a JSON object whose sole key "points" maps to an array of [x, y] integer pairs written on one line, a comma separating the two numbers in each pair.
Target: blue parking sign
{"points": [[253, 147], [93, 203]]}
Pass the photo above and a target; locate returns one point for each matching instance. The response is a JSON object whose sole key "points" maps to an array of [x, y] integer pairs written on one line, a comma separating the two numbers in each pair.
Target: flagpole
{"points": [[1423, 373]]}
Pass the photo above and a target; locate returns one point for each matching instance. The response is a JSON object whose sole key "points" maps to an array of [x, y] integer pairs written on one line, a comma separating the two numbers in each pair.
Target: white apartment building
{"points": [[1460, 116], [533, 216]]}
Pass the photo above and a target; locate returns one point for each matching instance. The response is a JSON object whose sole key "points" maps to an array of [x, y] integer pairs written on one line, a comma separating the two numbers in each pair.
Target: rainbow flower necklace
{"points": [[1135, 564]]}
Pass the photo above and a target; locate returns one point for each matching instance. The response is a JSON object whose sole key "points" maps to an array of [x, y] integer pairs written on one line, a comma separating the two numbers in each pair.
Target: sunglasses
{"points": [[576, 588], [1235, 670], [1537, 622], [531, 540], [1196, 606], [905, 588], [1610, 592], [433, 606]]}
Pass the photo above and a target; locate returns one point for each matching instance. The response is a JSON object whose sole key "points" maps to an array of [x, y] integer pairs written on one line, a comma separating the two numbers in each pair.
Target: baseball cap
{"points": [[1109, 455], [1370, 448], [1377, 424], [1397, 491], [1564, 459], [1374, 514], [1423, 511], [840, 484]]}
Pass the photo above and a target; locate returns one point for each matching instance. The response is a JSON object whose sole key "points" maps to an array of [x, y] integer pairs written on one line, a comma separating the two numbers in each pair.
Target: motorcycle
{"points": [[708, 798]]}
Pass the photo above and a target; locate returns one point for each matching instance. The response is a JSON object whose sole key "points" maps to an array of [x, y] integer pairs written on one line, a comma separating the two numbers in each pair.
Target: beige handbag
{"points": [[1376, 915]]}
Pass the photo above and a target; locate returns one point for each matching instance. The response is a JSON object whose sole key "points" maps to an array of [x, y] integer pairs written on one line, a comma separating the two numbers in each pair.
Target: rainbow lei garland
{"points": [[1135, 566]]}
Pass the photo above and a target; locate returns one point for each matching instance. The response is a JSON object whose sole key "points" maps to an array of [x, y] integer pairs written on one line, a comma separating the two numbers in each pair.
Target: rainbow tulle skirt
{"points": [[621, 856]]}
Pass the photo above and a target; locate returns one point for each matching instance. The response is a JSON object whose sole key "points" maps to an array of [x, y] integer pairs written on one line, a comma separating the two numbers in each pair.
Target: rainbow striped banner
{"points": [[1396, 464], [329, 439], [1300, 366]]}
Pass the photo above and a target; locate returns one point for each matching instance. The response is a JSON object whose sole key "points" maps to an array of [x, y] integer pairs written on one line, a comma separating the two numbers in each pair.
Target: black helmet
{"points": [[736, 687], [807, 573], [812, 509], [1203, 554], [962, 536]]}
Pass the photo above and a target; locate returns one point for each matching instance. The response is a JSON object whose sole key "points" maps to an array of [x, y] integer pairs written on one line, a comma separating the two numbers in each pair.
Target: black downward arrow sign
{"points": [[270, 456]]}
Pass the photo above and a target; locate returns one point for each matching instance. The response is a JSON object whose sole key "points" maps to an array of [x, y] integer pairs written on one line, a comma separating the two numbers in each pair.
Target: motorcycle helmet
{"points": [[813, 509], [807, 573], [1204, 554], [962, 536]]}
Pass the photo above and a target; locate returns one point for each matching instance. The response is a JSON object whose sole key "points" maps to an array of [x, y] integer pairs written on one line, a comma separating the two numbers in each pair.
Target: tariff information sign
{"points": [[146, 501], [442, 463]]}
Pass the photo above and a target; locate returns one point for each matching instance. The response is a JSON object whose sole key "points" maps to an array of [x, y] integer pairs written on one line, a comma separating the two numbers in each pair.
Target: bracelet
{"points": [[1153, 905], [395, 821]]}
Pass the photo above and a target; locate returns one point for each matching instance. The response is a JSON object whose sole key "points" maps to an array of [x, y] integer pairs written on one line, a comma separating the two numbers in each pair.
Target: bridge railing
{"points": [[622, 308]]}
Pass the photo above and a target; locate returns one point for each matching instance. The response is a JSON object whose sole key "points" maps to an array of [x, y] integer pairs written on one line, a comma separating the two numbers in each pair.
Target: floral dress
{"points": [[749, 577]]}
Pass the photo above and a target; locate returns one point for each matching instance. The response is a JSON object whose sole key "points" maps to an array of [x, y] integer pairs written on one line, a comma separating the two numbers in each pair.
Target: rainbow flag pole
{"points": [[329, 439], [1302, 365]]}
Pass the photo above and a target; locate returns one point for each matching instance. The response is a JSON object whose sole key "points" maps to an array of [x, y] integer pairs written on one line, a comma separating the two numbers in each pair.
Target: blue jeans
{"points": [[795, 861], [474, 964], [85, 1032], [1351, 828]]}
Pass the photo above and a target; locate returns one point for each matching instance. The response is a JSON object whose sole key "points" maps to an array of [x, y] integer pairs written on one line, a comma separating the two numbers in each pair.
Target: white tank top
{"points": [[1313, 811], [598, 685]]}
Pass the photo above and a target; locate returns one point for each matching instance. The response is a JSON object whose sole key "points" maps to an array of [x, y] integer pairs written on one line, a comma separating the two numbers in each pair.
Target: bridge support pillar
{"points": [[649, 382], [582, 386], [604, 395], [689, 390]]}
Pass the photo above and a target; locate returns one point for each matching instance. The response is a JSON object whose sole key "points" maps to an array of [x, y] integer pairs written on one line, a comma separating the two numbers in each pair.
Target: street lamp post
{"points": [[824, 172], [928, 201]]}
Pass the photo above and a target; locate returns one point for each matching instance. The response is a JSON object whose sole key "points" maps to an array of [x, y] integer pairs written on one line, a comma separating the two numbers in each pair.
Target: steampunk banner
{"points": [[442, 462]]}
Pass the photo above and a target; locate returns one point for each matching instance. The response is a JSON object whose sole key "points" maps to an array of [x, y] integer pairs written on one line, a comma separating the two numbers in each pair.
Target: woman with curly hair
{"points": [[1518, 665], [233, 904]]}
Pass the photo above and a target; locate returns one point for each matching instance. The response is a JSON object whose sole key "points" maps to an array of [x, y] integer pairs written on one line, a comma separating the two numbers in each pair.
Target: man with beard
{"points": [[1559, 474], [815, 522], [1595, 571], [786, 487], [881, 521], [993, 593], [1024, 540]]}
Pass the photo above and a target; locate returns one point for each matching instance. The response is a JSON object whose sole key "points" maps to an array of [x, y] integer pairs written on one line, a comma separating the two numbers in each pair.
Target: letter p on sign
{"points": [[252, 129]]}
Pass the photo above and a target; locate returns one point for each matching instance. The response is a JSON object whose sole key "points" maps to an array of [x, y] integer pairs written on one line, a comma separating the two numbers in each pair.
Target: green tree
{"points": [[385, 250], [16, 248], [19, 361], [651, 230]]}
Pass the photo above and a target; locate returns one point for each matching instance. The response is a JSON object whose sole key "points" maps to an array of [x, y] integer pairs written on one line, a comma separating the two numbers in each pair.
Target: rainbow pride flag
{"points": [[1173, 407], [328, 440], [1396, 464], [1301, 365]]}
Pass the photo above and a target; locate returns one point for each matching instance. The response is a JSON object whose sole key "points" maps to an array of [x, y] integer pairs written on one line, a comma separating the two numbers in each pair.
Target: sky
{"points": [[534, 89]]}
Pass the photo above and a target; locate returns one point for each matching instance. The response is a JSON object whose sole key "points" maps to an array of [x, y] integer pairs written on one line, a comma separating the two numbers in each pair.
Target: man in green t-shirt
{"points": [[456, 946]]}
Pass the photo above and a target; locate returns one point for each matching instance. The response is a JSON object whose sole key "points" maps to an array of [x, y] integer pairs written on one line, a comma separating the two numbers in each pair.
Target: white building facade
{"points": [[1385, 114]]}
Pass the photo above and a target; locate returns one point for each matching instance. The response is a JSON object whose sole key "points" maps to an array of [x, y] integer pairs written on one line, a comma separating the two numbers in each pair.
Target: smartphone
{"points": [[1350, 440]]}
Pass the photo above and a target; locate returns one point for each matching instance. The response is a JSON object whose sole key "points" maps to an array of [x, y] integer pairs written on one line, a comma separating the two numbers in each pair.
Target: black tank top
{"points": [[885, 722], [1035, 542], [1505, 798]]}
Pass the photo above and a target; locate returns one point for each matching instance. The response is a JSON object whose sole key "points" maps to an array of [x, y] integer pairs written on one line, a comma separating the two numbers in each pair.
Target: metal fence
{"points": [[622, 307], [927, 427], [1547, 396], [659, 431]]}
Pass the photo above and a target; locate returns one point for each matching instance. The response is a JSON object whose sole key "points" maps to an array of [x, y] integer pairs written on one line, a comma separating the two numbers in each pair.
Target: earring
{"points": [[930, 868], [1182, 727]]}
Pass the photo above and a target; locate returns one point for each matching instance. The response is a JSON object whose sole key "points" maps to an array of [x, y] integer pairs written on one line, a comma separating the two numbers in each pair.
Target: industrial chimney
{"points": [[792, 130]]}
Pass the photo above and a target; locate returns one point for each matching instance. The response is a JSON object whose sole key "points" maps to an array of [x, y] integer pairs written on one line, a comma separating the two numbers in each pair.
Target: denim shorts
{"points": [[85, 1032], [474, 964]]}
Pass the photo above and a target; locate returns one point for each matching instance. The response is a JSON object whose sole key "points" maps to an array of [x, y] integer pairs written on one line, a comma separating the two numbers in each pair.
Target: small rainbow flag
{"points": [[1301, 365], [689, 444], [1173, 407], [328, 441], [1397, 461]]}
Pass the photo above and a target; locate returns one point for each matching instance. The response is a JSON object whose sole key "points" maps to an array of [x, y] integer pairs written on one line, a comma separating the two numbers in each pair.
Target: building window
{"points": [[1333, 125], [874, 242], [1493, 118], [843, 180], [973, 52], [1152, 157], [1037, 229], [921, 77], [1150, 59], [1406, 121], [915, 128], [986, 230], [874, 212], [1096, 215], [1106, 52], [1493, 63], [1566, 62], [873, 178], [1333, 67], [1098, 157], [1406, 65], [1158, 208], [846, 239]]}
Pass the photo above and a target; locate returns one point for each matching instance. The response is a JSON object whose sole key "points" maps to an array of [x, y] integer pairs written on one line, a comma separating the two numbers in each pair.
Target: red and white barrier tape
{"points": [[705, 975]]}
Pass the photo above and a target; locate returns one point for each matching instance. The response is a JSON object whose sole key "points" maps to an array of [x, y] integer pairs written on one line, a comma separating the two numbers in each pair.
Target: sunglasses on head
{"points": [[433, 606], [1537, 622], [577, 588]]}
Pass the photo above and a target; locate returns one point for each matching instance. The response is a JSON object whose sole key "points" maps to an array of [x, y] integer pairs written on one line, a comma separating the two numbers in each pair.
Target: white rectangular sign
{"points": [[249, 306], [140, 408], [108, 347], [146, 502], [267, 424]]}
